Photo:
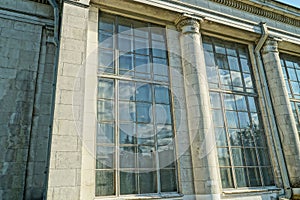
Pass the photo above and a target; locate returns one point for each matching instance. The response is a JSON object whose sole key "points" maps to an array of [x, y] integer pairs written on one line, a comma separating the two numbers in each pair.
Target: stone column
{"points": [[203, 145], [283, 111]]}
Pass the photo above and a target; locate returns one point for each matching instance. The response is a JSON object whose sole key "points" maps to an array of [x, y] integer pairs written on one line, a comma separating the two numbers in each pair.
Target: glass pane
{"points": [[125, 43], [211, 73], [255, 120], [241, 102], [226, 177], [146, 157], [218, 118], [144, 112], [222, 62], [232, 119], [250, 156], [141, 29], [295, 87], [126, 62], [168, 180], [105, 157], [128, 182], [292, 74], [236, 79], [125, 26], [264, 157], [259, 138], [106, 39], [164, 135], [147, 182], [223, 156], [105, 133], [245, 65], [248, 80], [215, 100], [145, 134], [166, 156], [244, 120], [235, 137], [159, 49], [142, 64], [220, 48], [209, 59], [230, 49], [105, 183], [105, 110], [160, 66], [106, 58], [229, 102], [225, 77], [127, 111], [221, 137], [105, 89], [143, 92], [268, 176], [126, 90], [162, 114], [157, 34], [127, 157], [238, 157], [127, 134], [247, 138], [161, 94], [233, 63], [106, 22], [252, 104], [254, 177], [241, 177], [141, 46]]}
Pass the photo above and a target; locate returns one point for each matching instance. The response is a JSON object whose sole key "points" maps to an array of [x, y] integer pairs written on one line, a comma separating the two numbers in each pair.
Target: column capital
{"points": [[188, 24], [271, 45]]}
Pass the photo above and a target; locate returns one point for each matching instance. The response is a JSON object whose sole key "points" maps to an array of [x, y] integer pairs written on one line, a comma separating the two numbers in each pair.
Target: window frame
{"points": [[117, 78]]}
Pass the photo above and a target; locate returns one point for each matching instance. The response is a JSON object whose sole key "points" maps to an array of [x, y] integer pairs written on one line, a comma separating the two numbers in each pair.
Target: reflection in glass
{"points": [[105, 110], [143, 111], [241, 177], [127, 157], [146, 157], [104, 183], [105, 133], [226, 177], [223, 155], [147, 182], [168, 180], [105, 157], [128, 182], [143, 92], [161, 94]]}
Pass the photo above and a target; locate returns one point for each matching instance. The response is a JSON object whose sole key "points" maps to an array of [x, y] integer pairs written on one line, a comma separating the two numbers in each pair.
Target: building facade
{"points": [[149, 99]]}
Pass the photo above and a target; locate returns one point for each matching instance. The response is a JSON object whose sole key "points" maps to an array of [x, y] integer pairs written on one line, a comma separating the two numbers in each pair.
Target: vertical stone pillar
{"points": [[203, 145], [283, 111]]}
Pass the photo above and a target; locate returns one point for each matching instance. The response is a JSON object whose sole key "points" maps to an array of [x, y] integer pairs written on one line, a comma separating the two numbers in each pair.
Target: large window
{"points": [[135, 148], [242, 151], [291, 71]]}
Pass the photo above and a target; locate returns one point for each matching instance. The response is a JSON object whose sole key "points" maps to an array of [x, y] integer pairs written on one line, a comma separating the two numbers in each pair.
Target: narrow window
{"points": [[242, 151], [135, 140], [291, 72]]}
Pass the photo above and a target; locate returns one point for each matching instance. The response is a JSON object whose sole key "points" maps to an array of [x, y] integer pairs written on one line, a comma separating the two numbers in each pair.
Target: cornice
{"points": [[259, 11]]}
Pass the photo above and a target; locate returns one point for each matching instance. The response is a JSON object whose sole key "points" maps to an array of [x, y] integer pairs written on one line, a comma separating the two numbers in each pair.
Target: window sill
{"points": [[251, 190], [144, 196]]}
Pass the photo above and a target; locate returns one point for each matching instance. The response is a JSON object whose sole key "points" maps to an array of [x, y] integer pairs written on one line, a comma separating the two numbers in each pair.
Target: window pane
{"points": [[127, 111], [106, 23], [241, 102], [105, 157], [106, 58], [241, 177], [105, 183], [233, 63], [105, 89], [218, 118], [221, 137], [142, 64], [252, 105], [264, 157], [143, 112], [223, 155], [235, 137], [125, 43], [248, 80], [164, 135], [146, 156], [232, 119], [225, 77], [229, 102], [254, 177], [105, 110], [160, 66], [166, 156], [250, 156], [105, 133], [147, 182], [244, 120], [268, 176], [220, 48], [161, 94], [245, 66], [125, 62], [168, 180], [106, 39], [222, 62], [141, 46], [143, 92], [226, 177], [145, 134], [127, 134], [238, 157], [247, 138], [157, 34], [127, 157], [126, 90], [292, 74], [128, 182], [212, 76], [162, 114], [236, 79], [159, 49], [215, 100]]}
